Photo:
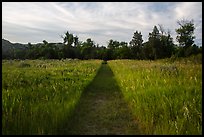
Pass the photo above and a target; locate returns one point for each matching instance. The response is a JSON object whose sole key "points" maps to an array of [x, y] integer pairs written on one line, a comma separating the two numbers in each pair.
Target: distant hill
{"points": [[7, 45], [8, 48]]}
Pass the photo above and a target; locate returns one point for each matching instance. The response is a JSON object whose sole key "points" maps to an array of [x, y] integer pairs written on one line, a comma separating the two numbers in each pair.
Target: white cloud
{"points": [[35, 21]]}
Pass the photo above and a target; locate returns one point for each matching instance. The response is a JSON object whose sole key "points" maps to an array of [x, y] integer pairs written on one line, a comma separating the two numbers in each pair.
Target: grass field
{"points": [[91, 97], [166, 97], [38, 96]]}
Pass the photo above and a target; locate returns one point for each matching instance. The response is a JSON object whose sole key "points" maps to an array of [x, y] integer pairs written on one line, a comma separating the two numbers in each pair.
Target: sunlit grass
{"points": [[165, 97], [39, 95]]}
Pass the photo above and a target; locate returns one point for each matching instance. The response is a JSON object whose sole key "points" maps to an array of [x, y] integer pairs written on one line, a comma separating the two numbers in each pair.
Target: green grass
{"points": [[97, 97], [39, 96], [165, 97], [102, 109]]}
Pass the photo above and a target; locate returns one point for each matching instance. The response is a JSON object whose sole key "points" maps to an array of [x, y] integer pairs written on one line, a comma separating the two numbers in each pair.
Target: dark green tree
{"points": [[76, 41], [68, 39], [166, 41], [185, 33], [136, 45], [185, 37], [111, 49], [45, 42], [123, 52], [87, 49], [154, 43]]}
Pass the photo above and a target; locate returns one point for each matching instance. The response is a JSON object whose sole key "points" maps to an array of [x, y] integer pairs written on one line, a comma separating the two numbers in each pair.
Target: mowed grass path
{"points": [[101, 109]]}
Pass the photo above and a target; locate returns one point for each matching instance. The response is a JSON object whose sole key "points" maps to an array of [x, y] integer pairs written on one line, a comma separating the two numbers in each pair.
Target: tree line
{"points": [[159, 45]]}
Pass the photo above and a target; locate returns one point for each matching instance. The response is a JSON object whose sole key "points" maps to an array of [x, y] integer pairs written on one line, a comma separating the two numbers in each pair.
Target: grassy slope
{"points": [[101, 109]]}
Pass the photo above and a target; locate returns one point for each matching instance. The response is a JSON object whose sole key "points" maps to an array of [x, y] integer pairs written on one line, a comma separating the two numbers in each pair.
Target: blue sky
{"points": [[34, 22]]}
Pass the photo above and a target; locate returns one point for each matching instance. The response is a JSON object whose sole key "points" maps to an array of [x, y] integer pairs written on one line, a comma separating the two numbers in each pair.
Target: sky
{"points": [[33, 22]]}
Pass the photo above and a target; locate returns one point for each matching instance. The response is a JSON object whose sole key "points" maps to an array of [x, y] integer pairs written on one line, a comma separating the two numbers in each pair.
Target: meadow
{"points": [[164, 95], [39, 95]]}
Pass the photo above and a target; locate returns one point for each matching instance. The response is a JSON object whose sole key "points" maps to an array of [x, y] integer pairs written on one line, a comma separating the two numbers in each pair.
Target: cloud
{"points": [[35, 21]]}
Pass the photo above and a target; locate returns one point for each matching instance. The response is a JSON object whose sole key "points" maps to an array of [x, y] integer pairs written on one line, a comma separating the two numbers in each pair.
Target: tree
{"points": [[68, 50], [68, 39], [65, 38], [89, 42], [167, 45], [137, 39], [185, 33], [160, 43], [124, 51], [87, 49], [148, 54], [29, 45], [154, 43], [136, 45], [110, 44], [76, 41], [111, 51], [45, 42]]}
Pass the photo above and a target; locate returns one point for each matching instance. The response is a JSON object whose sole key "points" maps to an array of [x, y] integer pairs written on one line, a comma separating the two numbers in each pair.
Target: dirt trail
{"points": [[101, 109]]}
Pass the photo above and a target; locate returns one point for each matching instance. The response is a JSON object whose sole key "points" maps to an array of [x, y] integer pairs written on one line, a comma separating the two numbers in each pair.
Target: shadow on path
{"points": [[101, 109]]}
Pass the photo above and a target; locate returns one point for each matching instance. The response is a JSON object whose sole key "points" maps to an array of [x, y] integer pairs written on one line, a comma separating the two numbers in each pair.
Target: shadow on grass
{"points": [[101, 109]]}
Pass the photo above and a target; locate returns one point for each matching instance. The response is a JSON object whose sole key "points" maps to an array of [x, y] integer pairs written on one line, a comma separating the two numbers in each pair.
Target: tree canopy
{"points": [[159, 45]]}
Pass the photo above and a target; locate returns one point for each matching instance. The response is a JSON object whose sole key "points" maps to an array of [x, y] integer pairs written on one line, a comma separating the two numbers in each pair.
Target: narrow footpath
{"points": [[102, 109]]}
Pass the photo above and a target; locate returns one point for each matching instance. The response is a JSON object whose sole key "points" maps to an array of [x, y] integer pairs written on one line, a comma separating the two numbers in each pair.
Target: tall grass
{"points": [[38, 96], [164, 96]]}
